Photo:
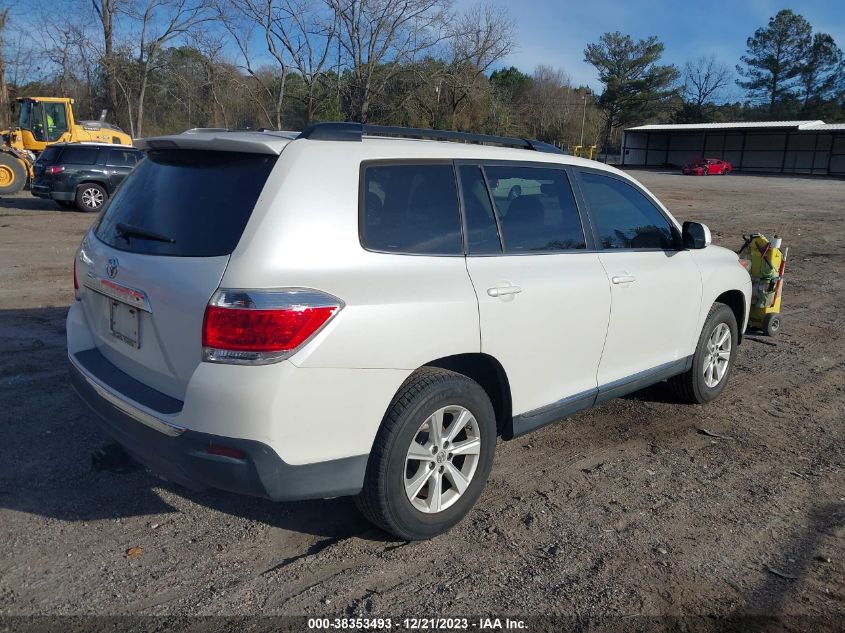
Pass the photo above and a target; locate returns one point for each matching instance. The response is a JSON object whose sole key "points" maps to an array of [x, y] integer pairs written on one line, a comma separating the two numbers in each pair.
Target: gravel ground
{"points": [[640, 507]]}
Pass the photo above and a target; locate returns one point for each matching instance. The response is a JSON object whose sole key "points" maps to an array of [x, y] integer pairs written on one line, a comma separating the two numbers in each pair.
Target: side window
{"points": [[623, 216], [536, 209], [79, 155], [482, 236], [411, 209], [122, 158]]}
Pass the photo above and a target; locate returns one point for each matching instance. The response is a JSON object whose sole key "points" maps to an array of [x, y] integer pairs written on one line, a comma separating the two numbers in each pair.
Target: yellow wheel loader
{"points": [[43, 121]]}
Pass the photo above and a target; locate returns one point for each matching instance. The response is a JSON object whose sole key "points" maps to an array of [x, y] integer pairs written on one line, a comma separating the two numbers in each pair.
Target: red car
{"points": [[707, 167]]}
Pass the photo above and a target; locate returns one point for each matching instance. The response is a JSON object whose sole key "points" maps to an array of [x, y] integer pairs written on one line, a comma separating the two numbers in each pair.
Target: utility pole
{"points": [[584, 116]]}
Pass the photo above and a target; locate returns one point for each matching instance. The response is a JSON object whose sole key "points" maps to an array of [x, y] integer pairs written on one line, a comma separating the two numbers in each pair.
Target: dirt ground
{"points": [[641, 507]]}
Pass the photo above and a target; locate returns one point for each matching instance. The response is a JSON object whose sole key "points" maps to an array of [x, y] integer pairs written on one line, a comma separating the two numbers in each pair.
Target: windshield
{"points": [[47, 121]]}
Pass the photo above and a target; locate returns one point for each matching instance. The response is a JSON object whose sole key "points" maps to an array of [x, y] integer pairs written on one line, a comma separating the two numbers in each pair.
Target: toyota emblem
{"points": [[111, 267]]}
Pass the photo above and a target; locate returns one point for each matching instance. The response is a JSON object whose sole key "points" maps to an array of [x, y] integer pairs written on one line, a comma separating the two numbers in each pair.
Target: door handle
{"points": [[502, 291], [623, 279]]}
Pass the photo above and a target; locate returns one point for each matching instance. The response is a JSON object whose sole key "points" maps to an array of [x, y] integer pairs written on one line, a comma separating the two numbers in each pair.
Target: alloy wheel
{"points": [[442, 459], [718, 355], [92, 198]]}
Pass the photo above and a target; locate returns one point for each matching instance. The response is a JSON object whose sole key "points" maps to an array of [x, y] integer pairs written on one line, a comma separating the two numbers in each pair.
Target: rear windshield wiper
{"points": [[127, 231]]}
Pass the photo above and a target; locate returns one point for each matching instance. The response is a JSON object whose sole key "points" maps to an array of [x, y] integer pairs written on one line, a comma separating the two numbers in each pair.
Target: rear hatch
{"points": [[158, 253], [46, 158]]}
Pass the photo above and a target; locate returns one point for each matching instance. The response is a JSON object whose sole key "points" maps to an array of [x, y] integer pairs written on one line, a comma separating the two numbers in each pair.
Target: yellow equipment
{"points": [[768, 263], [43, 121], [586, 152]]}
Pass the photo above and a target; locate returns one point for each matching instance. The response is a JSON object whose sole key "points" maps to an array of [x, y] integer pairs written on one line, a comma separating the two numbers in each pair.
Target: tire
{"points": [[90, 197], [694, 386], [725, 172], [772, 324], [391, 468], [12, 174]]}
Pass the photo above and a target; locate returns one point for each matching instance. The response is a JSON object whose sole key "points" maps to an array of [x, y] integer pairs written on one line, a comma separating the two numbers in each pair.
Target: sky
{"points": [[555, 32]]}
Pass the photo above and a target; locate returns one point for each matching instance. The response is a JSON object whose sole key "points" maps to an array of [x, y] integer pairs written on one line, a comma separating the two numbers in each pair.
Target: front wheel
{"points": [[431, 457], [713, 358], [12, 174]]}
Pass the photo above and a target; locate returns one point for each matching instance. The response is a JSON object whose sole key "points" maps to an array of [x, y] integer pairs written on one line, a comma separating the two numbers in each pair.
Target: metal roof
{"points": [[824, 126], [694, 127]]}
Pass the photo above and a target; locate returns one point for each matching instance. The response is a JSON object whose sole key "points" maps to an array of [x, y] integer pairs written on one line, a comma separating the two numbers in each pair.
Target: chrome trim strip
{"points": [[119, 292], [129, 407]]}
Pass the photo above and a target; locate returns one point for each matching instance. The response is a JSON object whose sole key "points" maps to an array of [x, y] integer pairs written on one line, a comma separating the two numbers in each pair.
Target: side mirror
{"points": [[696, 235]]}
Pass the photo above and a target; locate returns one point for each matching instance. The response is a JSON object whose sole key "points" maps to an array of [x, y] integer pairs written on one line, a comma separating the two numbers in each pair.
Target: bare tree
{"points": [[549, 103], [378, 37], [107, 11], [477, 40], [242, 18], [705, 80], [308, 35], [4, 91], [160, 22]]}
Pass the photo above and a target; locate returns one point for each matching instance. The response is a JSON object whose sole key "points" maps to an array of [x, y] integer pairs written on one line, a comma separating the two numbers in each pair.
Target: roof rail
{"points": [[338, 131]]}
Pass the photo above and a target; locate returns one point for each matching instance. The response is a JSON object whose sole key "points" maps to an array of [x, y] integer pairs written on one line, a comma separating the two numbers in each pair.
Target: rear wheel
{"points": [[12, 174], [713, 358], [90, 197], [431, 457]]}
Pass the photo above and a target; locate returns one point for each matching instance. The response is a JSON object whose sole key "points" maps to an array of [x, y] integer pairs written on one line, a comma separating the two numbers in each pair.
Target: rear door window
{"points": [[536, 209], [201, 200], [624, 217], [79, 155], [411, 209]]}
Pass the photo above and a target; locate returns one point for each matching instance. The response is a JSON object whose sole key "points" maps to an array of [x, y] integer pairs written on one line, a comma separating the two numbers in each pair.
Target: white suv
{"points": [[363, 310]]}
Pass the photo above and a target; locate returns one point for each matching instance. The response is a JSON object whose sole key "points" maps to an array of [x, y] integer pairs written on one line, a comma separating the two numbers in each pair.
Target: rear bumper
{"points": [[181, 455], [44, 191]]}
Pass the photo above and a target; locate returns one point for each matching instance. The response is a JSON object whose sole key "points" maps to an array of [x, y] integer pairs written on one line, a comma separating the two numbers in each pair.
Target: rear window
{"points": [[200, 200], [411, 209], [49, 155], [80, 155]]}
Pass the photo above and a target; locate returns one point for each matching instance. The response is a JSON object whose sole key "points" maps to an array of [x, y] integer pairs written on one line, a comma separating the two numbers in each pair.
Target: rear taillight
{"points": [[55, 169], [257, 327]]}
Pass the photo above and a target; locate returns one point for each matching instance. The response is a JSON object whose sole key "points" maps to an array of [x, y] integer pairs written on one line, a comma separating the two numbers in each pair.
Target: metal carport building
{"points": [[791, 147]]}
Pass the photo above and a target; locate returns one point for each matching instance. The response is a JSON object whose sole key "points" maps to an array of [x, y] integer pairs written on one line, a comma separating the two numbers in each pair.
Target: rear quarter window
{"points": [[49, 155], [201, 200], [411, 209]]}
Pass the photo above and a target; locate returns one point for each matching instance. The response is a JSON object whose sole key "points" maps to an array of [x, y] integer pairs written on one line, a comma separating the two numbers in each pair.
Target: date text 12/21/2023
{"points": [[417, 624]]}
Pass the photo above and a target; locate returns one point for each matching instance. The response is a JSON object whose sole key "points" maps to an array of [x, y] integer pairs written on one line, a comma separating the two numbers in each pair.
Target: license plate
{"points": [[123, 320]]}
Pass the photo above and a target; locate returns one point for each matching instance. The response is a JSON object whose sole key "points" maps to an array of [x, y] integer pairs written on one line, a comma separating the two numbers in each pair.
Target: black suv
{"points": [[83, 175]]}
